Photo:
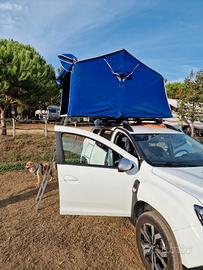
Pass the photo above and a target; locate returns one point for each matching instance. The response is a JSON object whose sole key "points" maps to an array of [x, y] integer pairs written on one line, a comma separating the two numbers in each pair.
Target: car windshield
{"points": [[52, 110], [170, 150]]}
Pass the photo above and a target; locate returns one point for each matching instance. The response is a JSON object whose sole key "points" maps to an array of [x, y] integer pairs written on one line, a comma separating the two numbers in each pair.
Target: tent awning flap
{"points": [[116, 85]]}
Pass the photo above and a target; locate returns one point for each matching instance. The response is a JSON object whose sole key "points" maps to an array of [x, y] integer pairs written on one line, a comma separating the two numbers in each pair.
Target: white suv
{"points": [[150, 173]]}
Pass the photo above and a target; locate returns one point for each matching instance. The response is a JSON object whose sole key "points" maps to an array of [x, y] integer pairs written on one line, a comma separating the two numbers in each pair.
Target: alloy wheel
{"points": [[153, 247]]}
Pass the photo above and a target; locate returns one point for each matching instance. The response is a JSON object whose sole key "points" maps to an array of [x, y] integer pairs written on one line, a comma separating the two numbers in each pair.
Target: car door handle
{"points": [[70, 178]]}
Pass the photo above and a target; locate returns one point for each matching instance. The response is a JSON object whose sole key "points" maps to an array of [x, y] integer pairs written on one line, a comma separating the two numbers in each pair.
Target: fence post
{"points": [[14, 127], [45, 128]]}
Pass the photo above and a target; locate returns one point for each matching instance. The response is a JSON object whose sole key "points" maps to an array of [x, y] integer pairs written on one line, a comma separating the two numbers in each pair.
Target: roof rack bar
{"points": [[112, 122], [156, 120], [173, 127]]}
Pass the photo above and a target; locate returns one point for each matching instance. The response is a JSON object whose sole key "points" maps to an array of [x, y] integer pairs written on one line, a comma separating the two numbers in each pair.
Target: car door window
{"points": [[124, 142], [80, 150]]}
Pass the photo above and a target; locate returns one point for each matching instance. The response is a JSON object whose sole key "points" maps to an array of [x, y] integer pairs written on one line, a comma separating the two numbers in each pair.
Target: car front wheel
{"points": [[156, 243]]}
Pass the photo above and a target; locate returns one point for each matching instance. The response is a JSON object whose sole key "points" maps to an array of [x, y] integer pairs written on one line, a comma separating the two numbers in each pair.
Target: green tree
{"points": [[191, 99], [25, 78], [173, 89]]}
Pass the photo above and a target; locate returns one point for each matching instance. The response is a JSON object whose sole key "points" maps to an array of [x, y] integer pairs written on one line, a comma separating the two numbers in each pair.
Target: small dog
{"points": [[39, 170]]}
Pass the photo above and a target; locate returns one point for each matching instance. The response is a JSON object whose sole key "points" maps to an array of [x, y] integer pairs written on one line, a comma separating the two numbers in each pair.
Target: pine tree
{"points": [[25, 78]]}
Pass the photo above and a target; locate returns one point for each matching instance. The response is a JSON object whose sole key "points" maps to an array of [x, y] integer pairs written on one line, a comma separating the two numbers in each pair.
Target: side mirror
{"points": [[125, 165]]}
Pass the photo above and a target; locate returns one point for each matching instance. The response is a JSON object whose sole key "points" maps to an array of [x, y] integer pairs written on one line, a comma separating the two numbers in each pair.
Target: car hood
{"points": [[188, 179]]}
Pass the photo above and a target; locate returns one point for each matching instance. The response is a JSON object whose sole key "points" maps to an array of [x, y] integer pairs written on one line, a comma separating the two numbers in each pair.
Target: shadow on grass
{"points": [[26, 195]]}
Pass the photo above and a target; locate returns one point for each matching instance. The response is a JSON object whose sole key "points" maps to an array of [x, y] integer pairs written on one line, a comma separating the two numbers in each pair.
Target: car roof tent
{"points": [[115, 85]]}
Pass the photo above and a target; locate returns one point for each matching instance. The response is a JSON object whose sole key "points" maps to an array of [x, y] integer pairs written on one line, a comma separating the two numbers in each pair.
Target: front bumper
{"points": [[194, 268], [190, 243]]}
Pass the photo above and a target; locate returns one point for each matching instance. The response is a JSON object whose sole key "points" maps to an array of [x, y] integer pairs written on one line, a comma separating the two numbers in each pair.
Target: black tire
{"points": [[156, 243]]}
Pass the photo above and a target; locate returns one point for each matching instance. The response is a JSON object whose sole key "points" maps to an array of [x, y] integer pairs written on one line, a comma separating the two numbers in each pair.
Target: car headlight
{"points": [[199, 212]]}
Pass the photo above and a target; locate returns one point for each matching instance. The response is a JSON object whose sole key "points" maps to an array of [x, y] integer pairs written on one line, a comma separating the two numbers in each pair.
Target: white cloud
{"points": [[11, 14], [89, 27], [8, 20], [188, 68], [48, 25], [10, 6]]}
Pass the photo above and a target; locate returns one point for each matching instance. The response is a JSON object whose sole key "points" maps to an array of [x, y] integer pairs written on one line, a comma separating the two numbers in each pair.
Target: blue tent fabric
{"points": [[67, 61], [116, 85], [60, 77]]}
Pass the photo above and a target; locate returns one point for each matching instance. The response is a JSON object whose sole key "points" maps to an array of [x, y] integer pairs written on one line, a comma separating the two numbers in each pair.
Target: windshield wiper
{"points": [[167, 163]]}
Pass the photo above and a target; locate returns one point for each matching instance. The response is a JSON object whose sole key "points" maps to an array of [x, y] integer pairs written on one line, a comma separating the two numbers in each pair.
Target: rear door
{"points": [[89, 180]]}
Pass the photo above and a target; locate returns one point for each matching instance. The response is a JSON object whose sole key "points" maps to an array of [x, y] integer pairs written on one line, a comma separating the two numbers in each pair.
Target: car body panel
{"points": [[93, 190], [189, 179]]}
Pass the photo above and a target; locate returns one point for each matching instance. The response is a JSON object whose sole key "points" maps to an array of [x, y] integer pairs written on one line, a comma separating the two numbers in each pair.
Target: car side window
{"points": [[80, 150], [106, 133], [124, 142]]}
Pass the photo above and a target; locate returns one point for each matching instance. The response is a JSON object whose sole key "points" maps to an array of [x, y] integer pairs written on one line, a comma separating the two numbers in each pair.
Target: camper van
{"points": [[53, 113]]}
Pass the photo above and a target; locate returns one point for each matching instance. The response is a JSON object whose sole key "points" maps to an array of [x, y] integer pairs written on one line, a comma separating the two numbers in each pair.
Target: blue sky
{"points": [[167, 35]]}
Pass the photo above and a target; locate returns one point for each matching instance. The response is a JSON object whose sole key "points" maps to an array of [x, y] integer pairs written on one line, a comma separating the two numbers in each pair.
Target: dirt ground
{"points": [[46, 240]]}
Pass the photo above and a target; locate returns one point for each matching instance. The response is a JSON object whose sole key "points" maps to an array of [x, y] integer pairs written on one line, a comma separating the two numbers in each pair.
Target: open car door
{"points": [[89, 180]]}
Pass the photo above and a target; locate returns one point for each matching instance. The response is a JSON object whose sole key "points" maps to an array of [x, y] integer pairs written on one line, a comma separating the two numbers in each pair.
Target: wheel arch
{"points": [[166, 199], [142, 207], [139, 208]]}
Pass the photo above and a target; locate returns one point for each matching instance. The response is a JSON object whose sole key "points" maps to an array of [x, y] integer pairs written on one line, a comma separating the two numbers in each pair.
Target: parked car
{"points": [[148, 172]]}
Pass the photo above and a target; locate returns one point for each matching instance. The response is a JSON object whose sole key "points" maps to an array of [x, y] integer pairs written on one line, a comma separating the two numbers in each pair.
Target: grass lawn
{"points": [[16, 152]]}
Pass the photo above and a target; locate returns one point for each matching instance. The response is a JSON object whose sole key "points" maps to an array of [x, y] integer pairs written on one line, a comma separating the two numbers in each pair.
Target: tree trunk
{"points": [[192, 129], [13, 110], [3, 121]]}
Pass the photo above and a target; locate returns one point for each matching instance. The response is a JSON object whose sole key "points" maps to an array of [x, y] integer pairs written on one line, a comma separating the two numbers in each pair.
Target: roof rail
{"points": [[127, 126]]}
